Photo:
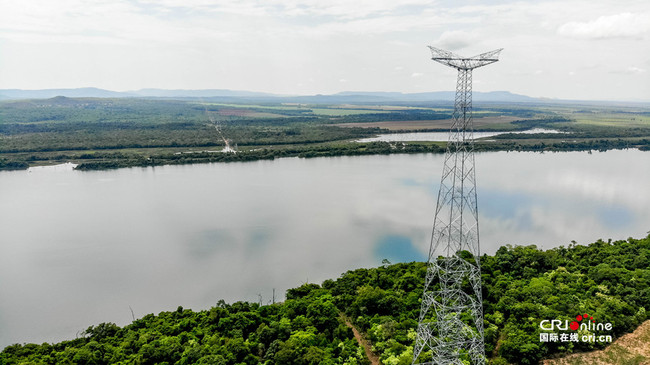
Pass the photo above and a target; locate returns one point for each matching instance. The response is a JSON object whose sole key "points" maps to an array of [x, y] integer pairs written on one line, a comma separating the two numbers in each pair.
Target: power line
{"points": [[450, 326]]}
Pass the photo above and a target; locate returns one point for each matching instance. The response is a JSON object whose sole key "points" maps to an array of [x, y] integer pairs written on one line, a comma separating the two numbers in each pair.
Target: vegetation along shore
{"points": [[316, 324], [105, 133]]}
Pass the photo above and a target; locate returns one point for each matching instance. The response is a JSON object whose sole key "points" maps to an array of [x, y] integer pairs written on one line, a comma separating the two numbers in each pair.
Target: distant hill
{"points": [[89, 92], [163, 93], [443, 96], [342, 97], [251, 96], [63, 100]]}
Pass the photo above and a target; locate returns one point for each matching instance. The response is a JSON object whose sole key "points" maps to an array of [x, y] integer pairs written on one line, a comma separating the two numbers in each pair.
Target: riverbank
{"points": [[112, 133], [104, 160]]}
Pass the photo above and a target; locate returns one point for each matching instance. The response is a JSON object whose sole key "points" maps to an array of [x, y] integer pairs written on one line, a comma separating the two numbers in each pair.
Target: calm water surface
{"points": [[80, 248], [442, 136]]}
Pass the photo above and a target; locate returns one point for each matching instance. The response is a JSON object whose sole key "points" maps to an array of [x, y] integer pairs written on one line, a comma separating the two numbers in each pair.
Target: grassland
{"points": [[500, 123], [108, 133], [616, 120], [342, 112], [304, 109]]}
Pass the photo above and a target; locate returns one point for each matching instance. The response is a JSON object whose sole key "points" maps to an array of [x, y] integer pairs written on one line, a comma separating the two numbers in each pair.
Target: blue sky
{"points": [[558, 49]]}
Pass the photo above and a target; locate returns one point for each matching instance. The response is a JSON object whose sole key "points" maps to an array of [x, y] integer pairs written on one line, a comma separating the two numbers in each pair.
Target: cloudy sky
{"points": [[570, 49]]}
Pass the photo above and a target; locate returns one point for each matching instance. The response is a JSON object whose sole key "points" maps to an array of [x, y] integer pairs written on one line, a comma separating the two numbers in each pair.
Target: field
{"points": [[632, 120], [501, 122], [272, 111], [114, 132]]}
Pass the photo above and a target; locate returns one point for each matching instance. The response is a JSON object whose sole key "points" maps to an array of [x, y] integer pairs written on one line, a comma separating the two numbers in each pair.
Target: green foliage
{"points": [[522, 285], [13, 165], [548, 122]]}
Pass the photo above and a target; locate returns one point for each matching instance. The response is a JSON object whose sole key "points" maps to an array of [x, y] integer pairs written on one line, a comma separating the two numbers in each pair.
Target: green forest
{"points": [[522, 285], [104, 133]]}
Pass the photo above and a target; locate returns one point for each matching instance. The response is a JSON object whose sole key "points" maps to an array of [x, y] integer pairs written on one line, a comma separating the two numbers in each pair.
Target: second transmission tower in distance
{"points": [[450, 327]]}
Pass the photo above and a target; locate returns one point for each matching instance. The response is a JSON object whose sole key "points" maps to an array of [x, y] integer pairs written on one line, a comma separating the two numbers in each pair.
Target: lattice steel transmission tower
{"points": [[450, 326]]}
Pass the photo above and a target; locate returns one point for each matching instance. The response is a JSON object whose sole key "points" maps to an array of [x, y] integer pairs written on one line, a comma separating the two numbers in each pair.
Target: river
{"points": [[80, 248], [444, 136]]}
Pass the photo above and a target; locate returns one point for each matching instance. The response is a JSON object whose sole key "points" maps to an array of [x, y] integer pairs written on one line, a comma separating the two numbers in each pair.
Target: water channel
{"points": [[444, 136]]}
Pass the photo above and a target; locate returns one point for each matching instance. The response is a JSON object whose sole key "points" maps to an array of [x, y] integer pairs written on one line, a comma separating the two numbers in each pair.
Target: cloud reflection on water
{"points": [[79, 248]]}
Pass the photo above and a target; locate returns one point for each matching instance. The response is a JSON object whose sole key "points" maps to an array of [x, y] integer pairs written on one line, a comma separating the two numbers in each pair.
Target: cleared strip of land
{"points": [[412, 125], [247, 113]]}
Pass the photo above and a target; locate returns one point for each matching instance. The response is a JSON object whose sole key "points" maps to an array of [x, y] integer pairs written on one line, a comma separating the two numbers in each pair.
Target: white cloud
{"points": [[177, 21], [388, 24], [635, 70], [197, 7], [456, 39], [631, 70], [342, 9], [273, 45], [624, 25]]}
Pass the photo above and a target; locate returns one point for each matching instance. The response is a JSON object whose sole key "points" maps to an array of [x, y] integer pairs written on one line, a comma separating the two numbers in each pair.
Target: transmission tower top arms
{"points": [[450, 326], [466, 63]]}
